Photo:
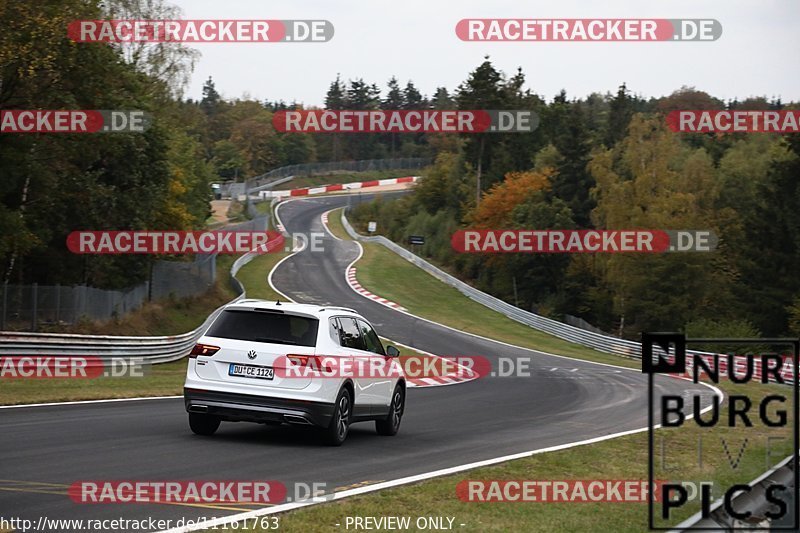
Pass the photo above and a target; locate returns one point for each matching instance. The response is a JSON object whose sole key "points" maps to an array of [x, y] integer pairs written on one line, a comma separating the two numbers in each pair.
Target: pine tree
{"points": [[211, 98], [620, 113]]}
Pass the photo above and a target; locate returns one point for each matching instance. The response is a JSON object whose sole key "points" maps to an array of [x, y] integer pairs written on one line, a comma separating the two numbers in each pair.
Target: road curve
{"points": [[45, 449]]}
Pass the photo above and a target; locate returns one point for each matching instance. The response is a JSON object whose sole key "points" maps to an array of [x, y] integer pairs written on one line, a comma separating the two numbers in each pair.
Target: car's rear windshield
{"points": [[265, 326]]}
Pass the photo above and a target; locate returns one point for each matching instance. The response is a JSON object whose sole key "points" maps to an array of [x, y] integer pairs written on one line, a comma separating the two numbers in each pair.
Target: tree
{"points": [[770, 256], [228, 160], [394, 100], [651, 181], [54, 184], [572, 181], [211, 97], [171, 62], [412, 98], [336, 96], [394, 96], [482, 90], [621, 110], [442, 100], [495, 210]]}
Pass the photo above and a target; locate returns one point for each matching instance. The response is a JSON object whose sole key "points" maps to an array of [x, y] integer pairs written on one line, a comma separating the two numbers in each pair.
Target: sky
{"points": [[757, 54]]}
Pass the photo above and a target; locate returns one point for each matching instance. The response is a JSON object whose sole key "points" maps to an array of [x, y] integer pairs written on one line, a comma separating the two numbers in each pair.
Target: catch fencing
{"points": [[33, 306]]}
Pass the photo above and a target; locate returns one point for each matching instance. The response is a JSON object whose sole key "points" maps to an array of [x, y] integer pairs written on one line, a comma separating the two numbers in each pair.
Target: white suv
{"points": [[266, 362]]}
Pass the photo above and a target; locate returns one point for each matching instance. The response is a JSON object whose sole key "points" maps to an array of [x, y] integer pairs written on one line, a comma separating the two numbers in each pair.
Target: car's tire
{"points": [[202, 424], [390, 425], [336, 433]]}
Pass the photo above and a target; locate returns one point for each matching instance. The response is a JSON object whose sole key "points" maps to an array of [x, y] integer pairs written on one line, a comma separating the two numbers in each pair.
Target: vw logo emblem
{"points": [[251, 354]]}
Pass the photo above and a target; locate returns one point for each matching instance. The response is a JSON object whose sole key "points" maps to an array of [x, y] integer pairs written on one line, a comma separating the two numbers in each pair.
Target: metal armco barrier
{"points": [[153, 349], [270, 179], [598, 341], [753, 501], [603, 343]]}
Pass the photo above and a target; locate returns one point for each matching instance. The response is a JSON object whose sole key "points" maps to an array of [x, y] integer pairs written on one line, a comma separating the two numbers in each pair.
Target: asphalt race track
{"points": [[45, 449]]}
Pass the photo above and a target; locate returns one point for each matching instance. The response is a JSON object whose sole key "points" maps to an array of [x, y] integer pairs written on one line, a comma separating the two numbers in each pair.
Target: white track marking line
{"points": [[80, 402]]}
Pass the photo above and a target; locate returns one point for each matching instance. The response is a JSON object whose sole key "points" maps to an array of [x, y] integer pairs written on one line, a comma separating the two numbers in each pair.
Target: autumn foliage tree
{"points": [[497, 205]]}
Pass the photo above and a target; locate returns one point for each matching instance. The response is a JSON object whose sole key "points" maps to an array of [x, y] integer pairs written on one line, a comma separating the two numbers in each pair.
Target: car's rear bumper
{"points": [[244, 407]]}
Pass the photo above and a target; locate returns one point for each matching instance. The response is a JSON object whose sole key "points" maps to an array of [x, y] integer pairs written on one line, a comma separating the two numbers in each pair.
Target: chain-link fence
{"points": [[29, 307], [279, 175]]}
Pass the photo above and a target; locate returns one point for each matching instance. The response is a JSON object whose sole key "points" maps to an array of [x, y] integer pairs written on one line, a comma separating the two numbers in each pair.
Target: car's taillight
{"points": [[203, 349]]}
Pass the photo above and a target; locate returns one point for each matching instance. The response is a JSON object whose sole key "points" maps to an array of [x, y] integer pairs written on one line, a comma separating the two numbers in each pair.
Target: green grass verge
{"points": [[335, 224], [427, 297], [159, 380], [254, 276]]}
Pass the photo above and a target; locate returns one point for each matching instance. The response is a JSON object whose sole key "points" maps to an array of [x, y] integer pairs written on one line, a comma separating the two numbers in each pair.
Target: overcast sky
{"points": [[415, 40]]}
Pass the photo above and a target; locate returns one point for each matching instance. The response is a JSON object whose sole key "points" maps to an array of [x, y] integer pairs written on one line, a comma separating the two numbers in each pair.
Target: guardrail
{"points": [[361, 165], [598, 341], [161, 349], [603, 343], [753, 501]]}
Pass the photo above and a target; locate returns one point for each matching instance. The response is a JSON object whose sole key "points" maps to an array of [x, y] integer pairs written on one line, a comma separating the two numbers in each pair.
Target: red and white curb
{"points": [[353, 282], [462, 375], [307, 191], [438, 381]]}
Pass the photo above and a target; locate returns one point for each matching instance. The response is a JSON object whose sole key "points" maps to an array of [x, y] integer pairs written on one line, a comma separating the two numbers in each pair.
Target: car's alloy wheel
{"points": [[343, 418], [336, 433], [391, 424]]}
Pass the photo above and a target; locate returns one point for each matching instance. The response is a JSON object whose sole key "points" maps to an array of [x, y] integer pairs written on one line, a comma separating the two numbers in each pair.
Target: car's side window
{"points": [[351, 337], [335, 330], [371, 339]]}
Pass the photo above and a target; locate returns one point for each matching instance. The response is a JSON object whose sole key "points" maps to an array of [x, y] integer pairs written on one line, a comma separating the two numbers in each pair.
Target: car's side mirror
{"points": [[391, 351]]}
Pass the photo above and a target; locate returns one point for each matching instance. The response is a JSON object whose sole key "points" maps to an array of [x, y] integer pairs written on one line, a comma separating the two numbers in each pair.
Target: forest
{"points": [[604, 160]]}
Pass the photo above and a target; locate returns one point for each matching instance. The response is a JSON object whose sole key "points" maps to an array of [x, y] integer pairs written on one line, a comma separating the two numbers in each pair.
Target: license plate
{"points": [[250, 371]]}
